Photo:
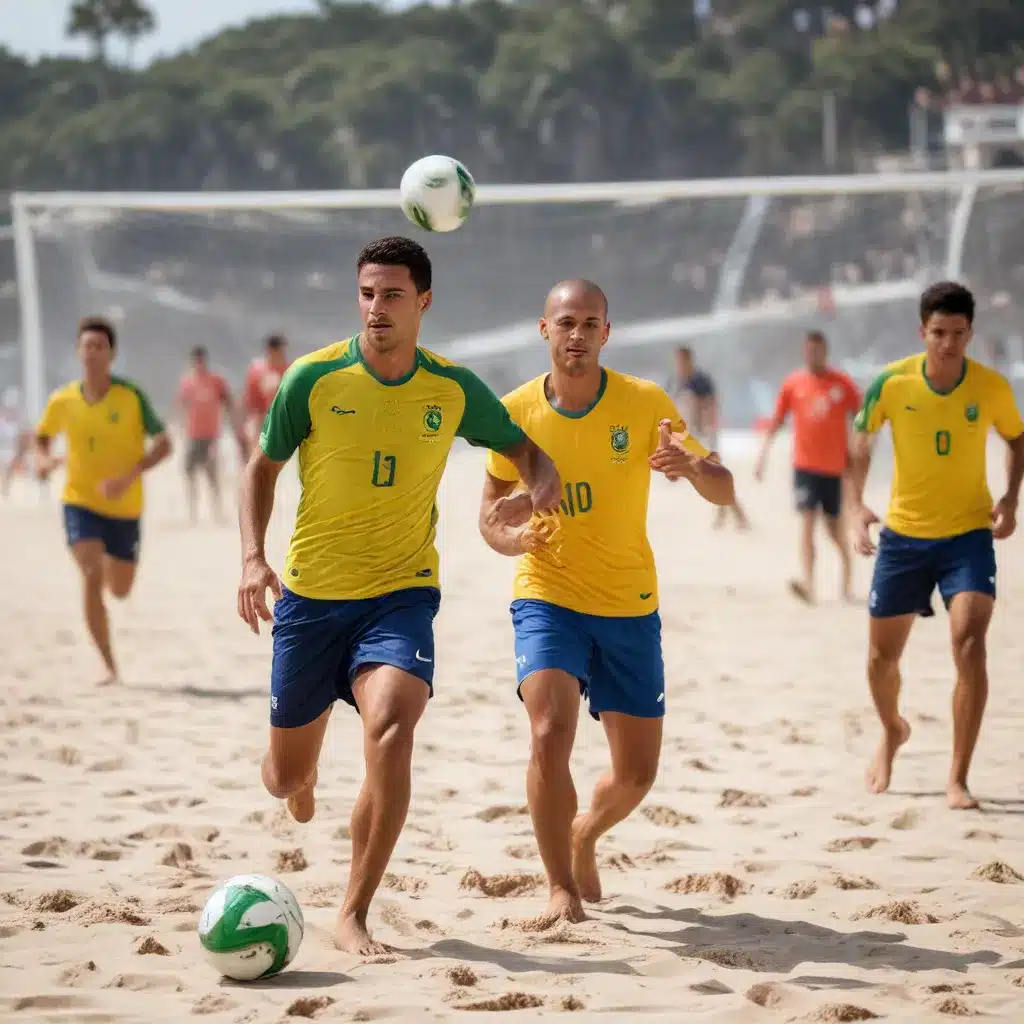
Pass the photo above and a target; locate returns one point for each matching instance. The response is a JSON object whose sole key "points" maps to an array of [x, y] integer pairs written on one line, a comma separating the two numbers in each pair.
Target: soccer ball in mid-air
{"points": [[251, 927], [437, 193]]}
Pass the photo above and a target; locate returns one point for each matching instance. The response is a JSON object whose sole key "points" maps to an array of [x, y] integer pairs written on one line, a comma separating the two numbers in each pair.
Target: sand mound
{"points": [[515, 884], [997, 871], [899, 912], [509, 1001], [718, 883]]}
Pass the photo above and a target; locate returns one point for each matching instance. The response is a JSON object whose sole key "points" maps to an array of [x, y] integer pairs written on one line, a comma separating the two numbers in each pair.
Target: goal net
{"points": [[735, 268]]}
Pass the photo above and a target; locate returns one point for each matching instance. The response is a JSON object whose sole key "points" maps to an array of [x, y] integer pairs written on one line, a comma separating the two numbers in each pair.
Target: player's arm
{"points": [[866, 424], [287, 424], [502, 531], [1008, 423], [486, 423], [159, 443], [679, 455], [51, 424], [783, 404]]}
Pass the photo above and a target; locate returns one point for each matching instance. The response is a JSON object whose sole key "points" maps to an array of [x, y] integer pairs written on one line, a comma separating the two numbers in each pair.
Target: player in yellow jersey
{"points": [[941, 522], [106, 421], [373, 419], [586, 592]]}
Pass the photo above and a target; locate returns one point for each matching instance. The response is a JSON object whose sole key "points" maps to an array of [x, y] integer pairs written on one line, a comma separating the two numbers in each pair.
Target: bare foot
{"points": [[959, 797], [563, 906], [584, 865], [801, 591], [110, 679], [351, 936], [302, 805], [880, 770]]}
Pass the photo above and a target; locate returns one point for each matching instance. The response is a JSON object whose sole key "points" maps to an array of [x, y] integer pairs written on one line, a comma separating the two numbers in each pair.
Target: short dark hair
{"points": [[99, 324], [275, 342], [396, 251], [684, 350], [947, 297], [817, 336], [199, 352]]}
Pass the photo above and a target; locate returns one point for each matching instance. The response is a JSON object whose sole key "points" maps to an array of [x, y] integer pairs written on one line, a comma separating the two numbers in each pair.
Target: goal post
{"points": [[733, 266]]}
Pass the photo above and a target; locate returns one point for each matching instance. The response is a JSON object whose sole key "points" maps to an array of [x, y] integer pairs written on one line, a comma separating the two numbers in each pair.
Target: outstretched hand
{"points": [[672, 459]]}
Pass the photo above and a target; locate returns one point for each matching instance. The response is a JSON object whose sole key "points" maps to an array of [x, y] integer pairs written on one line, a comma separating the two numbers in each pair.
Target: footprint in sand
{"points": [[290, 860], [657, 814], [852, 843], [738, 798], [500, 886], [502, 812], [308, 1006], [213, 1003], [403, 883], [718, 883], [905, 820]]}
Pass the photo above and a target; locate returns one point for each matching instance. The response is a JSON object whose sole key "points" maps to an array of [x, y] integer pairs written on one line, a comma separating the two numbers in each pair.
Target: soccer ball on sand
{"points": [[437, 193], [251, 927]]}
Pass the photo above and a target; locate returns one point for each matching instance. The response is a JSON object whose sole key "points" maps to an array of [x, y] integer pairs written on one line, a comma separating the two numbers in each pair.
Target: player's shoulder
{"points": [[617, 383], [527, 395], [988, 377], [69, 392], [899, 373], [128, 387], [313, 365]]}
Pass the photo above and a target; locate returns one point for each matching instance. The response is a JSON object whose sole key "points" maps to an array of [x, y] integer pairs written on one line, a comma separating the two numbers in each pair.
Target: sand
{"points": [[760, 882]]}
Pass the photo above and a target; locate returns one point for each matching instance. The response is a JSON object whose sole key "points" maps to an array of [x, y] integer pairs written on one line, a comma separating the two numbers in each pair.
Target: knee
{"points": [[389, 736], [880, 661], [638, 776], [119, 588], [969, 648], [281, 780], [551, 737]]}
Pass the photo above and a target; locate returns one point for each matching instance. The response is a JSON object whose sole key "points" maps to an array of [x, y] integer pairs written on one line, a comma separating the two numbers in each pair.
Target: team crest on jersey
{"points": [[431, 419], [114, 417], [620, 440], [971, 412]]}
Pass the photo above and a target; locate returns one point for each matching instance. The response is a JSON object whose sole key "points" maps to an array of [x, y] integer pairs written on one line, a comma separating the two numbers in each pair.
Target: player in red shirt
{"points": [[822, 401], [201, 397], [261, 383]]}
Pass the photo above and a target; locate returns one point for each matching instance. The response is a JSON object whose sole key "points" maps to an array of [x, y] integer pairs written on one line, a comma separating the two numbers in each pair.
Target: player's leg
{"points": [[627, 690], [192, 459], [211, 467], [84, 531], [967, 575], [121, 543], [391, 672], [552, 656], [835, 524], [901, 588], [311, 645]]}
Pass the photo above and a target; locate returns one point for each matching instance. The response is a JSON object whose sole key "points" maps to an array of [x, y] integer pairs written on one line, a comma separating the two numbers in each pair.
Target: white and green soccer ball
{"points": [[437, 193], [251, 927]]}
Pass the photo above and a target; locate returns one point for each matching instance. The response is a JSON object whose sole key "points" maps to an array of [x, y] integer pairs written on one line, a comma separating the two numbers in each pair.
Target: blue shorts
{"points": [[120, 536], [617, 660], [319, 647], [908, 569]]}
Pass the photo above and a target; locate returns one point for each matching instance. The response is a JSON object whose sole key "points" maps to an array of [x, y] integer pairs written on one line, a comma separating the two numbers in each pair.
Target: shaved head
{"points": [[575, 292]]}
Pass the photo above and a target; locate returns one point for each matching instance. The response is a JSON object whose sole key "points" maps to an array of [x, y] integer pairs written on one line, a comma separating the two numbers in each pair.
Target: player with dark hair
{"points": [[262, 380], [373, 419], [939, 530], [106, 421], [202, 395], [822, 400], [585, 612], [696, 397]]}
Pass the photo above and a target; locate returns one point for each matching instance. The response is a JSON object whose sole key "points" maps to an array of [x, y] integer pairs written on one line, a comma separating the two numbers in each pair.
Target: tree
{"points": [[91, 20], [131, 20]]}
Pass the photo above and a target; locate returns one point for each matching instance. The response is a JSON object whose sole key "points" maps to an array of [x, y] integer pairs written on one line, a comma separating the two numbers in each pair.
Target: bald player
{"points": [[585, 612], [373, 419]]}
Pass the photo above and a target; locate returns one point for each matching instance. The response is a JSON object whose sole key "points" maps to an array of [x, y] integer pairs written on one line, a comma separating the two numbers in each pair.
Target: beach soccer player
{"points": [[585, 609], [262, 380], [939, 530], [106, 421], [822, 401], [373, 419]]}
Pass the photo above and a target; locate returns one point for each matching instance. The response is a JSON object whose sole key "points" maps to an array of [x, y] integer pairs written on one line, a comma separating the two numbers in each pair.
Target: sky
{"points": [[36, 27]]}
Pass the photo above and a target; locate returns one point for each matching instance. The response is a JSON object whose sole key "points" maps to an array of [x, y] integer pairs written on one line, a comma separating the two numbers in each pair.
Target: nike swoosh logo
{"points": [[643, 597], [342, 412], [419, 657]]}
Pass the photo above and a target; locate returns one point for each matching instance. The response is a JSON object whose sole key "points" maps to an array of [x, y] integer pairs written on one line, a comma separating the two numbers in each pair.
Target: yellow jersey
{"points": [[105, 439], [940, 477], [371, 456], [605, 565]]}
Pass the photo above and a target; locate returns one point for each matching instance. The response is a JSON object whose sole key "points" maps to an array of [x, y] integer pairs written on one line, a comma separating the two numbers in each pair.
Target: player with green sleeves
{"points": [[373, 419]]}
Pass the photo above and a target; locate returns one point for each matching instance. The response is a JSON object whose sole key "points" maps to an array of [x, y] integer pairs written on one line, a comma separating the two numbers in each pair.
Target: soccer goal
{"points": [[735, 268]]}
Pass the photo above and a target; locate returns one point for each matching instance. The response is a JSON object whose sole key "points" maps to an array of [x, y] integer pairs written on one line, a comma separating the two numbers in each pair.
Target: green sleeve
{"points": [[151, 423], [872, 413], [486, 423], [288, 421]]}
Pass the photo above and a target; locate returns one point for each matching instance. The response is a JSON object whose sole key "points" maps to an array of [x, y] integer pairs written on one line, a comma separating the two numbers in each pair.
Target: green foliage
{"points": [[528, 90]]}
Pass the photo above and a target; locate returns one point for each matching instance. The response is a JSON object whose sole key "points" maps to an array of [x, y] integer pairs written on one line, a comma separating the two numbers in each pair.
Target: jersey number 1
{"points": [[383, 470], [942, 442]]}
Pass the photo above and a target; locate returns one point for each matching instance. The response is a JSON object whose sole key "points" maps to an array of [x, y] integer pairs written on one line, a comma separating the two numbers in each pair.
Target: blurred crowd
{"points": [[979, 86]]}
